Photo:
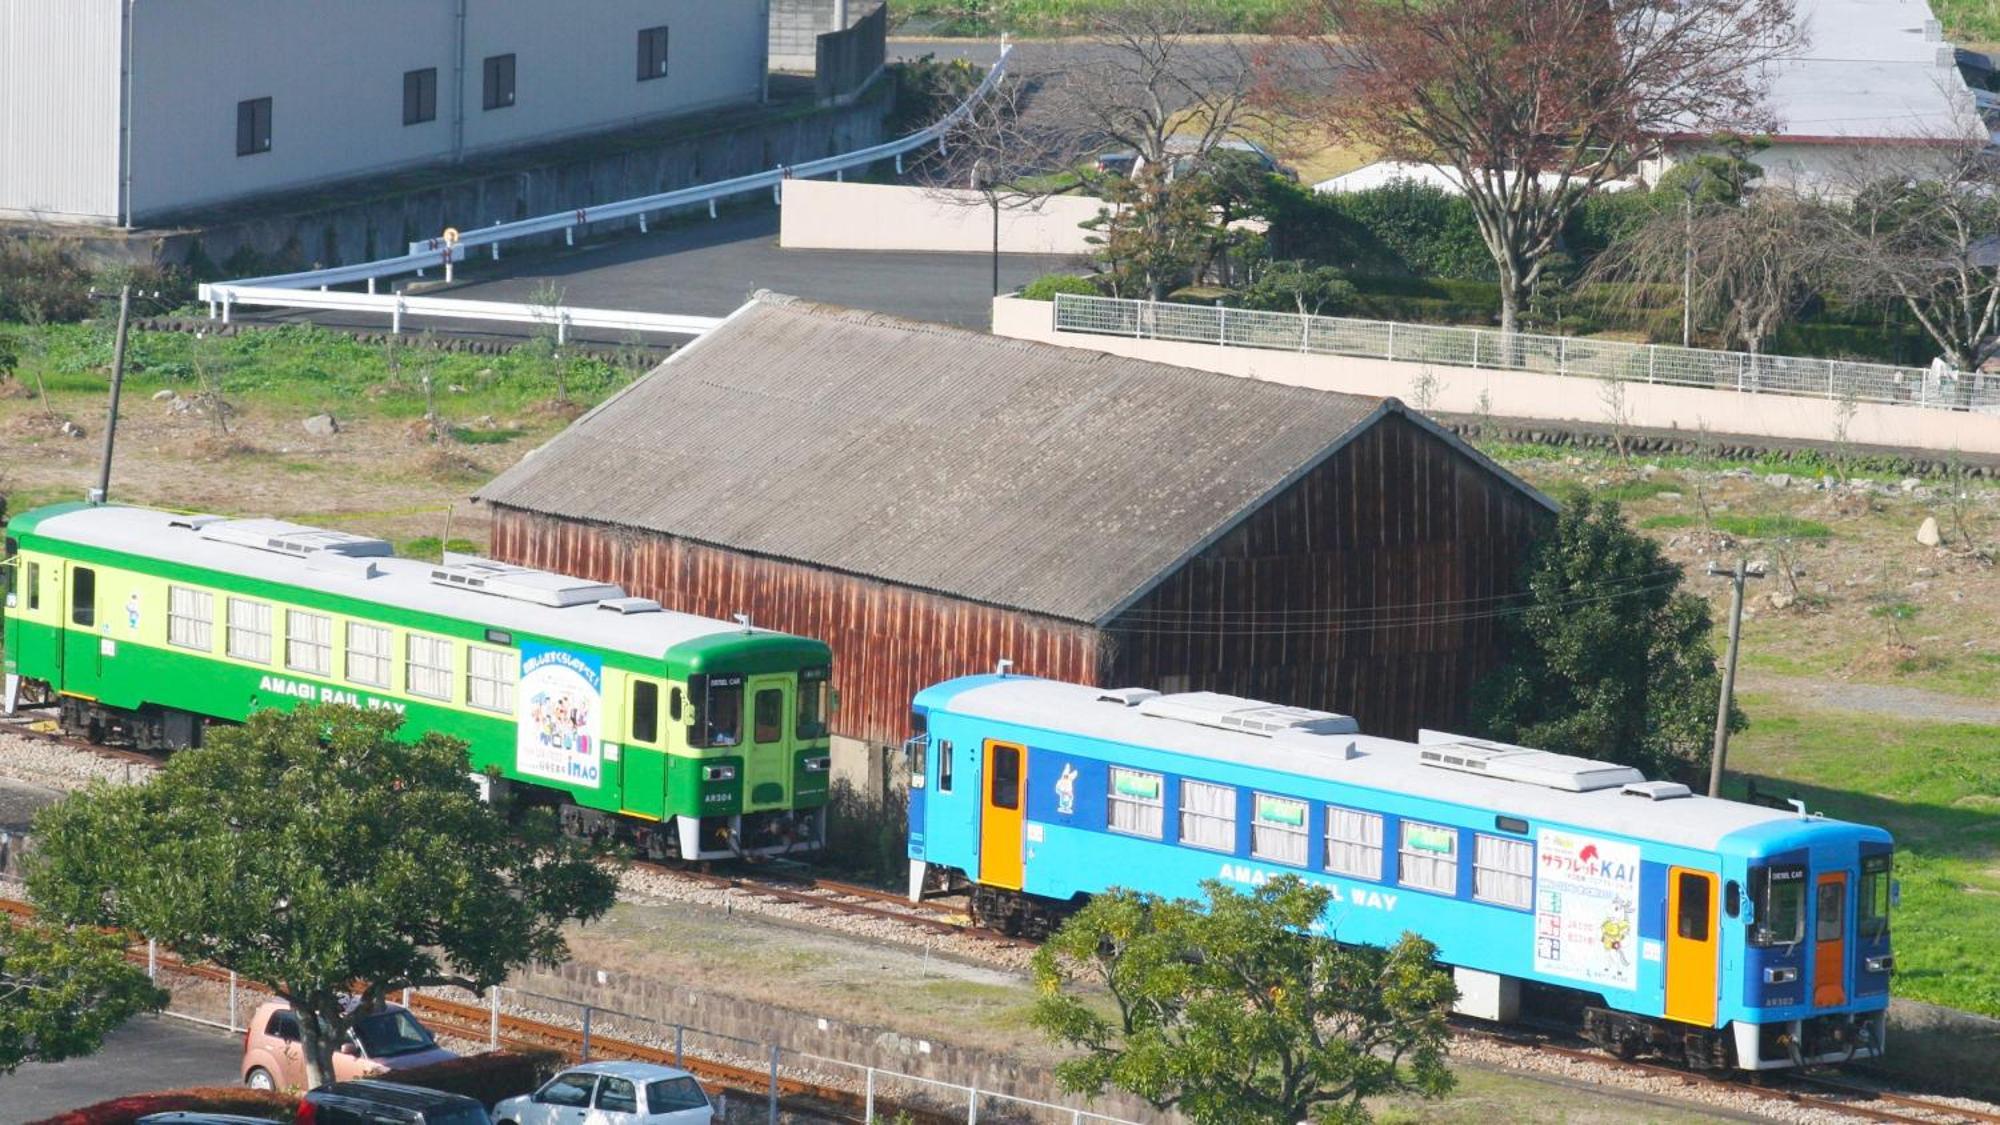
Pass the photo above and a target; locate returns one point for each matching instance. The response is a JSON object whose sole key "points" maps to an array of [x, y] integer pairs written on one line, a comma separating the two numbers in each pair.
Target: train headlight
{"points": [[718, 773], [1880, 964], [818, 765], [1784, 975]]}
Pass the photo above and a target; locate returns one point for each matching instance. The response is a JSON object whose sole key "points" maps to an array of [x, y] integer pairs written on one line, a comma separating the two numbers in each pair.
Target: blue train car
{"points": [[1722, 933]]}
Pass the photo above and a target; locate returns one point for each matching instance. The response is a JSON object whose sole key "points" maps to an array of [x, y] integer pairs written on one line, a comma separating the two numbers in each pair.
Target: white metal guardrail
{"points": [[436, 253], [1550, 355], [396, 306]]}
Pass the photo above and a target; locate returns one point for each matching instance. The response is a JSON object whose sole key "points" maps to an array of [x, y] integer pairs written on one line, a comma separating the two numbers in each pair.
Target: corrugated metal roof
{"points": [[1868, 70], [1054, 480]]}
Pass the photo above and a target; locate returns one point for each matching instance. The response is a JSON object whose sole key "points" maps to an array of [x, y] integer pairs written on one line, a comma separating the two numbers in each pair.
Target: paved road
{"points": [[150, 1053]]}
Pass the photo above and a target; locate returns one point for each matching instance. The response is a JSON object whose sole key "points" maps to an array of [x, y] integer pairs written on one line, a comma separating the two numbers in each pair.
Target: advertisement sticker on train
{"points": [[561, 700], [1587, 909]]}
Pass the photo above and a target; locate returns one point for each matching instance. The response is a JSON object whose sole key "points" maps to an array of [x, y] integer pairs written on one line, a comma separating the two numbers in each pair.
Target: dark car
{"points": [[365, 1101]]}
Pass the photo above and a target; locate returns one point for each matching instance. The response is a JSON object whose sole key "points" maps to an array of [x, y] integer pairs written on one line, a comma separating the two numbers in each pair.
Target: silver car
{"points": [[612, 1093]]}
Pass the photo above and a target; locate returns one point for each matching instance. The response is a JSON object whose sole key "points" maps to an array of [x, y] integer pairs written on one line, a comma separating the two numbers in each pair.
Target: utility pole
{"points": [[103, 491], [1721, 751]]}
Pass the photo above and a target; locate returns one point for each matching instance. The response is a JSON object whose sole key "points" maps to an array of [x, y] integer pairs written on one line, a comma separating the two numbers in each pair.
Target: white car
{"points": [[612, 1093]]}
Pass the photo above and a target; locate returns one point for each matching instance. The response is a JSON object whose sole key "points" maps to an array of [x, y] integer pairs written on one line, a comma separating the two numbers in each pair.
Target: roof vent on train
{"points": [[629, 606], [1657, 790], [1521, 763], [284, 538], [1127, 696], [523, 584], [1228, 712]]}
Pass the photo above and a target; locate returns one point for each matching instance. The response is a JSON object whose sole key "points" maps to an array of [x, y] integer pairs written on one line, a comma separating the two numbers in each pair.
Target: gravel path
{"points": [[1879, 699]]}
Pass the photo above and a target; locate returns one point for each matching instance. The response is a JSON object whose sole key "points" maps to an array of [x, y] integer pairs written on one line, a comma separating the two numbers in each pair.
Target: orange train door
{"points": [[1001, 813], [1691, 947], [1830, 941]]}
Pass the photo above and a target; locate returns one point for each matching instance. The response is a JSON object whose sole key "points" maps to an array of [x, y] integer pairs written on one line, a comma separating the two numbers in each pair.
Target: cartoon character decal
{"points": [[1066, 791]]}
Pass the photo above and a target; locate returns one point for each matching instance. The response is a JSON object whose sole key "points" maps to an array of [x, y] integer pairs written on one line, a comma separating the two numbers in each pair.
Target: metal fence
{"points": [[1549, 355]]}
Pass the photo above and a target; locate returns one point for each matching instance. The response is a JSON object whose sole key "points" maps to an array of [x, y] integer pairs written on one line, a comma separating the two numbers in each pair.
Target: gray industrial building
{"points": [[122, 112]]}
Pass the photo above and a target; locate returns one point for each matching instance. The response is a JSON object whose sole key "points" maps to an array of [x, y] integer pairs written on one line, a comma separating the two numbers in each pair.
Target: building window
{"points": [[420, 96], [645, 725], [1278, 830], [1353, 843], [367, 654], [1134, 804], [1429, 857], [253, 126], [250, 630], [489, 678], [309, 643], [429, 667], [652, 53], [190, 618], [1503, 871], [499, 82], [1208, 816]]}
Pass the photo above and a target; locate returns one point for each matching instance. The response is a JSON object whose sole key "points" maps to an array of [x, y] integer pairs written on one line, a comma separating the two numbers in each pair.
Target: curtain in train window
{"points": [[1278, 832], [1135, 804], [1429, 857], [190, 618], [1503, 871], [1208, 816], [1353, 843], [250, 630]]}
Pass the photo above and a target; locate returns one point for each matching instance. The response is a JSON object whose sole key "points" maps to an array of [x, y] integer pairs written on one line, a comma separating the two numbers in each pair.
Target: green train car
{"points": [[687, 737]]}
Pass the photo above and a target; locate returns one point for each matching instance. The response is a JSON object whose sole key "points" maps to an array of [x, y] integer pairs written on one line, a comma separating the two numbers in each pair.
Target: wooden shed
{"points": [[930, 501]]}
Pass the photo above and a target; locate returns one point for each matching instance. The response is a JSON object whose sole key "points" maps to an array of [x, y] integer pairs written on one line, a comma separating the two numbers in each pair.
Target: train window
{"points": [[1428, 857], [814, 686], [367, 654], [1005, 775], [645, 726], [190, 618], [944, 766], [10, 553], [1353, 843], [769, 717], [1692, 921], [428, 670], [34, 585], [490, 674], [1732, 898], [308, 643], [250, 630], [1503, 871], [1874, 901], [83, 597], [1208, 816], [674, 705], [1778, 905], [1511, 824], [722, 711], [1278, 830], [1135, 803], [1830, 919]]}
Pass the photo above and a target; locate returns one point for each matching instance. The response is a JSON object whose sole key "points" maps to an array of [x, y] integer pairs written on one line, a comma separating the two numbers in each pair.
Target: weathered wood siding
{"points": [[1360, 589], [888, 641]]}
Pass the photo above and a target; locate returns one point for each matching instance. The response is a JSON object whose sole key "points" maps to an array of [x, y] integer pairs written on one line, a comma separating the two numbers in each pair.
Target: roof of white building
{"points": [[1868, 70]]}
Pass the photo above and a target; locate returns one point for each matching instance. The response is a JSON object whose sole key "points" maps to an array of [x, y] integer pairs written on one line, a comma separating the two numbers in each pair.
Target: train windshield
{"points": [[721, 718], [1874, 896], [815, 687], [1778, 902]]}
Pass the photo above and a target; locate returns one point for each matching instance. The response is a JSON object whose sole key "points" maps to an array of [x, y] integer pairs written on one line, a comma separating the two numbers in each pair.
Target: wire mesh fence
{"points": [[1610, 360]]}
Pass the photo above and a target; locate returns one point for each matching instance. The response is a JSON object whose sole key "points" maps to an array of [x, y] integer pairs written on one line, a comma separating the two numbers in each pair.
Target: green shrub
{"points": [[1297, 287], [218, 1099], [869, 833], [1045, 287], [42, 280], [489, 1078], [1404, 228]]}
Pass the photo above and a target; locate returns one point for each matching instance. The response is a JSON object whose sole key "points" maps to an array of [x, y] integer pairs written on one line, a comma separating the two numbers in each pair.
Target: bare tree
{"points": [[1533, 105], [1923, 229]]}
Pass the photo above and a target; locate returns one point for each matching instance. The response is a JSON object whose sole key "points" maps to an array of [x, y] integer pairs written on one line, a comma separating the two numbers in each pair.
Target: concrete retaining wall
{"points": [[851, 58], [824, 215], [1524, 394], [796, 26]]}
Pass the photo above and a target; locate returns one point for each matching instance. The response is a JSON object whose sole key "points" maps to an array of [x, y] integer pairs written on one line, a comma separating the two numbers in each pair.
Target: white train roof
{"points": [[1503, 779], [463, 588]]}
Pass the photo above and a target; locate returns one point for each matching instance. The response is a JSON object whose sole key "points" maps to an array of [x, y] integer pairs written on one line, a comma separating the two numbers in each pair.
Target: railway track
{"points": [[844, 898]]}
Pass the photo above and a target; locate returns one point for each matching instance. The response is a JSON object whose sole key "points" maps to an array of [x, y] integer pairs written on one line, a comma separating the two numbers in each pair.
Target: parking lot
{"points": [[150, 1053]]}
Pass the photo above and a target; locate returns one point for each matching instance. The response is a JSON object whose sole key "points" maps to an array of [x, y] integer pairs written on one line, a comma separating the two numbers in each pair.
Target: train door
{"points": [[1830, 941], [82, 651], [1692, 948], [1001, 811], [767, 757], [642, 767]]}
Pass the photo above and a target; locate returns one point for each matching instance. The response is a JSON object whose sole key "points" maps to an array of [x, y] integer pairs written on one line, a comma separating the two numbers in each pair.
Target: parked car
{"points": [[612, 1093], [1123, 162], [369, 1102], [390, 1039], [195, 1117]]}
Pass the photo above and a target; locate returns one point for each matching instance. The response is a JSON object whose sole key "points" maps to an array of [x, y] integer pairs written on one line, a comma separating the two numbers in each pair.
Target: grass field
{"points": [[1058, 17]]}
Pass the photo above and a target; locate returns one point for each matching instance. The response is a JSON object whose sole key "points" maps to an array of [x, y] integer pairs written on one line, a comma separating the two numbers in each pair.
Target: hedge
{"points": [[205, 1099], [1045, 287]]}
